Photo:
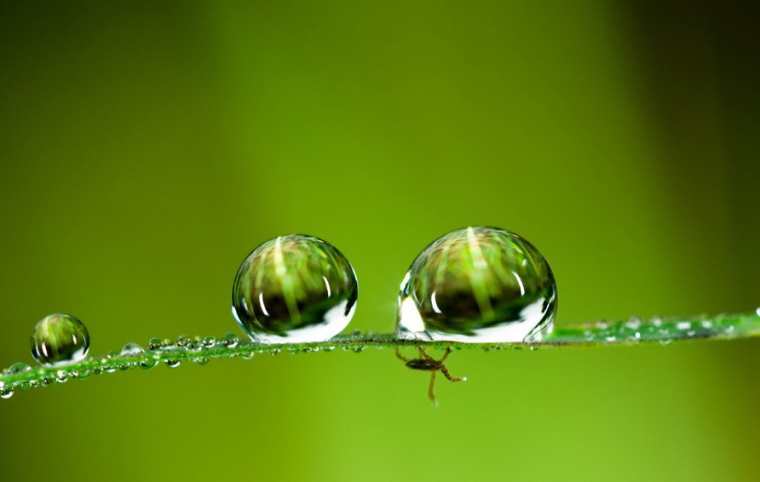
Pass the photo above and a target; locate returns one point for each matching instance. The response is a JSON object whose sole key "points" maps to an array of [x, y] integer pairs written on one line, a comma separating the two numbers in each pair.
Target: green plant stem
{"points": [[200, 350]]}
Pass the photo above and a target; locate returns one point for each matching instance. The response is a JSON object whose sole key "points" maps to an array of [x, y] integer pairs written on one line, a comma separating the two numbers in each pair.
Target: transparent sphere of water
{"points": [[60, 339], [478, 285], [294, 289]]}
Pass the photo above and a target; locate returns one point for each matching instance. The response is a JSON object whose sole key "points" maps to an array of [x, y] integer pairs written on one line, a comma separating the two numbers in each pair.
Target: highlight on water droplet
{"points": [[294, 289], [477, 285], [60, 339]]}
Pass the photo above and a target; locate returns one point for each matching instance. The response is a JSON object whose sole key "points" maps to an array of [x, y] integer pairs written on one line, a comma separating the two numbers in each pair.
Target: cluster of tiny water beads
{"points": [[477, 287]]}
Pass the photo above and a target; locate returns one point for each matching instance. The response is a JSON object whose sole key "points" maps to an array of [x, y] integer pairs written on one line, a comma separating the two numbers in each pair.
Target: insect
{"points": [[427, 363]]}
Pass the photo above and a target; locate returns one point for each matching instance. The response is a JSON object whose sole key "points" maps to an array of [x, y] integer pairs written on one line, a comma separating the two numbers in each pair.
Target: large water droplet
{"points": [[294, 289], [478, 285], [60, 339]]}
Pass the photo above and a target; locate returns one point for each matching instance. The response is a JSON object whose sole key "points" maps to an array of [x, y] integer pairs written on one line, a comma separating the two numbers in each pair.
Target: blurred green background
{"points": [[147, 148]]}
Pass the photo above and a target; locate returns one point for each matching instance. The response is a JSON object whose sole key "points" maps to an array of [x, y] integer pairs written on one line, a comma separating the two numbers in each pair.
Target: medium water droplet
{"points": [[294, 289], [60, 339], [132, 350], [477, 285]]}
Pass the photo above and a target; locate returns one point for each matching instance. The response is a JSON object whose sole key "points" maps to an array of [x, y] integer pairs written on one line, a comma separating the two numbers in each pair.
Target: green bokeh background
{"points": [[145, 149]]}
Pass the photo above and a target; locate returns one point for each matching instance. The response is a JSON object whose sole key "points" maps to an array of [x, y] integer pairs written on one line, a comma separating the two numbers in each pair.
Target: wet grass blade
{"points": [[20, 376]]}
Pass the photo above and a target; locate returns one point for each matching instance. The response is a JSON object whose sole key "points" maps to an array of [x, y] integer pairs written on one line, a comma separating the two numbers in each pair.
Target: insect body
{"points": [[430, 364]]}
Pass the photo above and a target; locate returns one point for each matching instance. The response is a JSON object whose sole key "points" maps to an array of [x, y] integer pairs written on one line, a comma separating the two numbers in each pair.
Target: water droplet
{"points": [[201, 360], [294, 289], [17, 368], [209, 342], [683, 325], [172, 363], [148, 363], [477, 285], [61, 376], [132, 350], [633, 323], [154, 344], [230, 340], [757, 311], [60, 339], [6, 393], [183, 341]]}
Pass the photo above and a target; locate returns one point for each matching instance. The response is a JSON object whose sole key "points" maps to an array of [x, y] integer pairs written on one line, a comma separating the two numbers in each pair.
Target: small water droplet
{"points": [[757, 311], [59, 339], [131, 350], [358, 348], [610, 339], [209, 342], [656, 321], [683, 325], [154, 344], [201, 360], [148, 363], [230, 340], [477, 285], [247, 355], [533, 347], [172, 363], [17, 368], [6, 393], [61, 376], [706, 324], [665, 341], [183, 341], [633, 323]]}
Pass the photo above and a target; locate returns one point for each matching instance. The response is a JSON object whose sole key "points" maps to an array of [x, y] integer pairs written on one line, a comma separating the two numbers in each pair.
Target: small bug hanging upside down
{"points": [[427, 363]]}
